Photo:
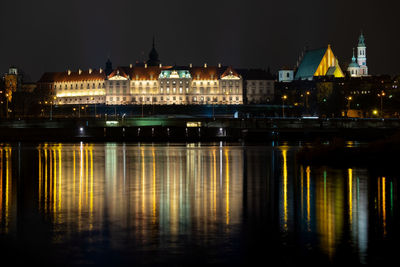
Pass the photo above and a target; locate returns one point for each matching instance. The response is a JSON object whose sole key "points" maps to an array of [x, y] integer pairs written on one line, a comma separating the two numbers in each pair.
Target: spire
{"points": [[361, 40], [354, 57], [109, 67], [153, 55]]}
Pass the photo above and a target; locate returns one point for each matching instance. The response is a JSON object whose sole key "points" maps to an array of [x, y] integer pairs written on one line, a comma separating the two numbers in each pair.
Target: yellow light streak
{"points": [[227, 187], [154, 185], [285, 192], [350, 171]]}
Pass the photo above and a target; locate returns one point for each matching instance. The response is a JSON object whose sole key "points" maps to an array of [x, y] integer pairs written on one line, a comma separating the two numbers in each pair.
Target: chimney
{"points": [[160, 65], [69, 72], [190, 65], [90, 71], [80, 71], [145, 65], [101, 70], [219, 65], [205, 65], [130, 66]]}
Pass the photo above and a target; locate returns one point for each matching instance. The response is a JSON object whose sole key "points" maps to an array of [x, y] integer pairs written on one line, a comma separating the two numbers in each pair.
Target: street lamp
{"points": [[284, 97], [94, 107], [307, 94], [381, 95], [348, 104], [51, 107], [7, 106]]}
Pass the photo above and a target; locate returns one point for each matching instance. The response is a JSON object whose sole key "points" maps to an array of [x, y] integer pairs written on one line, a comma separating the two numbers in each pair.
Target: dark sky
{"points": [[54, 35]]}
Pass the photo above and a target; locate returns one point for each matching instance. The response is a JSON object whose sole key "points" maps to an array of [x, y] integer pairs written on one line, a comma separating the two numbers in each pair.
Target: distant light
{"points": [[375, 112], [81, 129], [193, 124], [111, 123], [310, 117]]}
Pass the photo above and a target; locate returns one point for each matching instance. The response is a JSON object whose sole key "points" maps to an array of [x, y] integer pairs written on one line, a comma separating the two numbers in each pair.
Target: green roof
{"points": [[354, 65], [331, 71], [309, 64], [180, 73]]}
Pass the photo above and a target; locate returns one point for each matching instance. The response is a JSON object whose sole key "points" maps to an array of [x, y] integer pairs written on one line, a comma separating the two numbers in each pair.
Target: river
{"points": [[190, 204]]}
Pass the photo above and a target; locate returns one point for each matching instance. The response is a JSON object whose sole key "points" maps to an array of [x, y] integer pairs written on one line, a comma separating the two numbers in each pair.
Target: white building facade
{"points": [[148, 85]]}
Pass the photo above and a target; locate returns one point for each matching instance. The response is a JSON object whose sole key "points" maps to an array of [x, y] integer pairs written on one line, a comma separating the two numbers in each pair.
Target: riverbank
{"points": [[189, 129]]}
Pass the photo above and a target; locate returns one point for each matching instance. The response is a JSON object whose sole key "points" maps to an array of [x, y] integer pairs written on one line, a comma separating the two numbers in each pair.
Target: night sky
{"points": [[56, 35]]}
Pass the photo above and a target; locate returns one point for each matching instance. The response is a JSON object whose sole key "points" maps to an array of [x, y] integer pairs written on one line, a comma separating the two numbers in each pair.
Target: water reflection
{"points": [[6, 185], [140, 188], [229, 202]]}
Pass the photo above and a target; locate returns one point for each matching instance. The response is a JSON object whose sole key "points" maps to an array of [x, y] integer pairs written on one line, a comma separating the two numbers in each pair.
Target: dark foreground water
{"points": [[192, 204]]}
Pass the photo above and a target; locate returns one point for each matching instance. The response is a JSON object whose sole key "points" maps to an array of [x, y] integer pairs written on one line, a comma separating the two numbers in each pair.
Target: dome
{"points": [[354, 65]]}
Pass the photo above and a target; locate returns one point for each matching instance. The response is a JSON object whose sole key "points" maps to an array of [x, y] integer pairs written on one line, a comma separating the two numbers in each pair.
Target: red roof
{"points": [[86, 75], [230, 71], [137, 73], [205, 73]]}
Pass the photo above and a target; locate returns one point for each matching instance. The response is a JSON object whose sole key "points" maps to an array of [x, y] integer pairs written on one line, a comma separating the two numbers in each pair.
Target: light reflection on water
{"points": [[221, 204]]}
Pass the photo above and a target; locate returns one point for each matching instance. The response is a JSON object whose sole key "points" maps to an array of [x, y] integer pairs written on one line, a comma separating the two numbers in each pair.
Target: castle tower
{"points": [[153, 56], [109, 67], [362, 55]]}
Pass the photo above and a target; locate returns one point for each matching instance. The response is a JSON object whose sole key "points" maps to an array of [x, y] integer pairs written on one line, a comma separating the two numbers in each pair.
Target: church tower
{"points": [[153, 56], [362, 56], [354, 68]]}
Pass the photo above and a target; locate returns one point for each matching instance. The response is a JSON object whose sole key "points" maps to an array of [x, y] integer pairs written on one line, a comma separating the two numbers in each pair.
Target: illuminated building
{"points": [[148, 83], [80, 87], [158, 85], [358, 67], [259, 86], [12, 81], [285, 75], [319, 62]]}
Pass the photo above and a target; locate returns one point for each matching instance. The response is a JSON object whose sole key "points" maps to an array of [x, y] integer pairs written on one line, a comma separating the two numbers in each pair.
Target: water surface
{"points": [[195, 204]]}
